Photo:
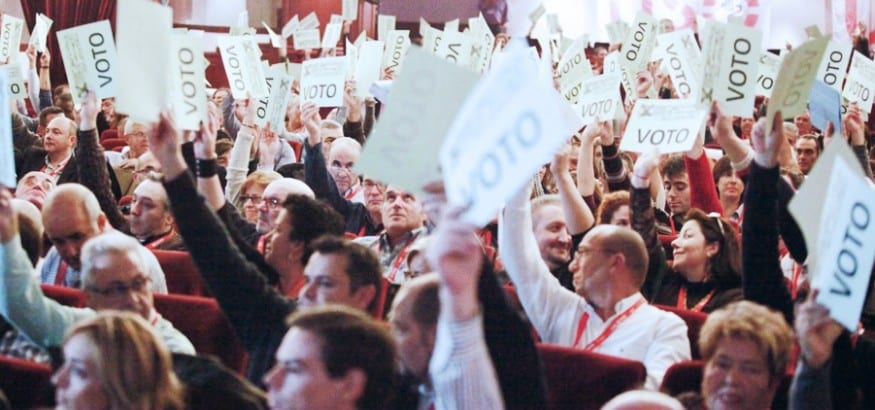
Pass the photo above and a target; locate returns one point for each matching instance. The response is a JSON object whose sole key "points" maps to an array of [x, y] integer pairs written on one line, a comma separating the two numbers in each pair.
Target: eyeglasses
{"points": [[254, 198], [272, 203], [121, 289], [338, 167]]}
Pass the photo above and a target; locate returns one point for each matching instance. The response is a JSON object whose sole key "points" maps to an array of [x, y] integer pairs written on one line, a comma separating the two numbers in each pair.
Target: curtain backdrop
{"points": [[66, 14]]}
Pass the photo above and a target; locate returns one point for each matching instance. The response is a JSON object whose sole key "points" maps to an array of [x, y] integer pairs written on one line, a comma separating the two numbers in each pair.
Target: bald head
{"points": [[627, 242], [273, 197], [414, 322], [643, 400], [71, 215]]}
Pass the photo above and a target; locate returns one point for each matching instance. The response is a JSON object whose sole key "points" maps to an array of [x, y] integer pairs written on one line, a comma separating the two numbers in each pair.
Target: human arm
{"points": [[253, 307], [578, 216], [22, 301], [615, 171], [45, 78], [856, 127], [550, 307], [231, 123], [205, 153], [644, 222], [91, 163], [703, 192], [585, 169], [816, 333], [353, 127], [740, 153], [762, 278], [32, 79]]}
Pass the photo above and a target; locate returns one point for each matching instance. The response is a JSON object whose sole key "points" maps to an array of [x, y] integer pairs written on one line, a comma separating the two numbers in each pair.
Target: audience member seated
{"points": [[608, 314], [114, 276], [115, 361], [340, 375]]}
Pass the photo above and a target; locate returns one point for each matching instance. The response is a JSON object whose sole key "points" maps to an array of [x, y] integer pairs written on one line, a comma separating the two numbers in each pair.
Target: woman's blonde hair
{"points": [[132, 363]]}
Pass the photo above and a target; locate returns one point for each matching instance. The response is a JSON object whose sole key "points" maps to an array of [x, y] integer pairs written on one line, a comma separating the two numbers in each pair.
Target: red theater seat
{"points": [[203, 322], [577, 379], [109, 133], [25, 383], [181, 274], [694, 321], [113, 143], [64, 295]]}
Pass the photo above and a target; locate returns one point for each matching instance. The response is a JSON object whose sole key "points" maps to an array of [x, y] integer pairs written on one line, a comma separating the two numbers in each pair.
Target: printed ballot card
{"points": [[665, 125], [847, 245]]}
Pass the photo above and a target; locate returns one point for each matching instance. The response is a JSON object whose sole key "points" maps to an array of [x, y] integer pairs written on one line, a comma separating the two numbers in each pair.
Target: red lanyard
{"points": [[259, 246], [353, 192], [794, 283], [682, 300], [156, 243], [61, 273], [399, 260], [595, 344]]}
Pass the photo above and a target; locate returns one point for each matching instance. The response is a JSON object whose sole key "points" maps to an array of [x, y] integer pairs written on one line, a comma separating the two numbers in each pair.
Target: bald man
{"points": [[151, 220], [71, 216], [272, 199], [34, 187], [55, 157], [342, 156]]}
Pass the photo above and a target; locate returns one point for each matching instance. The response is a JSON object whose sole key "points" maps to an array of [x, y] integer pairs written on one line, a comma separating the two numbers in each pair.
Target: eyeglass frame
{"points": [[117, 289]]}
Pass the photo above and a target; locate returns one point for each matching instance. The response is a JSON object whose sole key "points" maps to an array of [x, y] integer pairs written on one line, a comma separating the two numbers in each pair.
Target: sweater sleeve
{"points": [[253, 307], [762, 279], [703, 192], [322, 184], [94, 175]]}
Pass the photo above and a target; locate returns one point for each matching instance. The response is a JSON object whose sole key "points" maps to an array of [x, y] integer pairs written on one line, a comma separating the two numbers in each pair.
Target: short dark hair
{"points": [[673, 166], [50, 110], [310, 219], [363, 265], [352, 340]]}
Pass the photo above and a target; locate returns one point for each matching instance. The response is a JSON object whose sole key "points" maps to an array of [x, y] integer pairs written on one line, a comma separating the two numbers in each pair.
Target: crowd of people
{"points": [[599, 253]]}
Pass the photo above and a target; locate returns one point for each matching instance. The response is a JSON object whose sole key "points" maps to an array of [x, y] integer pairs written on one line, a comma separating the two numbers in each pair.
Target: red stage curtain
{"points": [[66, 14]]}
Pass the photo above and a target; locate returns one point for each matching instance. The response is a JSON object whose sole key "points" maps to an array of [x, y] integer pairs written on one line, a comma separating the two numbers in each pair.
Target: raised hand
{"points": [[644, 167], [455, 252], [312, 122], [816, 331], [88, 113], [720, 124], [561, 162], [8, 219], [767, 143], [855, 125], [205, 138], [352, 102], [164, 144]]}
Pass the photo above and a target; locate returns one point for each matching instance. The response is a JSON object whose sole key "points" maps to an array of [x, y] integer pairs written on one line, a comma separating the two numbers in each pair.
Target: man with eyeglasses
{"points": [[342, 156], [363, 218], [114, 276], [606, 313]]}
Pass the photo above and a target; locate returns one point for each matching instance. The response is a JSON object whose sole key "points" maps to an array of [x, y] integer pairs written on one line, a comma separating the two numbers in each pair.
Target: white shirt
{"points": [[652, 336]]}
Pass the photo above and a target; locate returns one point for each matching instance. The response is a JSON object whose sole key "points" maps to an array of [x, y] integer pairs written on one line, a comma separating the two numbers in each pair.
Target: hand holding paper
{"points": [[644, 167], [767, 142], [205, 138], [816, 331], [88, 113], [164, 142], [855, 125]]}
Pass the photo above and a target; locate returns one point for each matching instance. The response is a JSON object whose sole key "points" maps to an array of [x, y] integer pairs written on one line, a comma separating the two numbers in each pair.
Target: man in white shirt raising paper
{"points": [[607, 314]]}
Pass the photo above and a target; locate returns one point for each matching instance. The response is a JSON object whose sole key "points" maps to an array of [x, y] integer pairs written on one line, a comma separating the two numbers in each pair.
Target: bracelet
{"points": [[207, 168], [45, 67]]}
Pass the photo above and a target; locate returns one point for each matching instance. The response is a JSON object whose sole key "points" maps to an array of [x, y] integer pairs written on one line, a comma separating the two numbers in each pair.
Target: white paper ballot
{"points": [[412, 128], [276, 40], [7, 152], [367, 69], [40, 32], [90, 60], [384, 25], [769, 66], [848, 245], [242, 67], [350, 9], [860, 86], [144, 37], [188, 93], [574, 68], [290, 27], [834, 65], [528, 123], [397, 43], [322, 81], [272, 109], [455, 47], [482, 44], [307, 39], [735, 85], [332, 35], [679, 50], [15, 80], [309, 22], [795, 78], [600, 98], [666, 125], [10, 37]]}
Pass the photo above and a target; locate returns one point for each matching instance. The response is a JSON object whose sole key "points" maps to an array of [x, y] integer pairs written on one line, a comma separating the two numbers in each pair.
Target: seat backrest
{"points": [[64, 295], [109, 133], [181, 274], [26, 384], [113, 143], [203, 322], [694, 321], [577, 379]]}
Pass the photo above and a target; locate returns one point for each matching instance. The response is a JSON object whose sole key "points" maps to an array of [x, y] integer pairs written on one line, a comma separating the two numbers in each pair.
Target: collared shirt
{"points": [[652, 336], [393, 259], [55, 171], [53, 266], [355, 193]]}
